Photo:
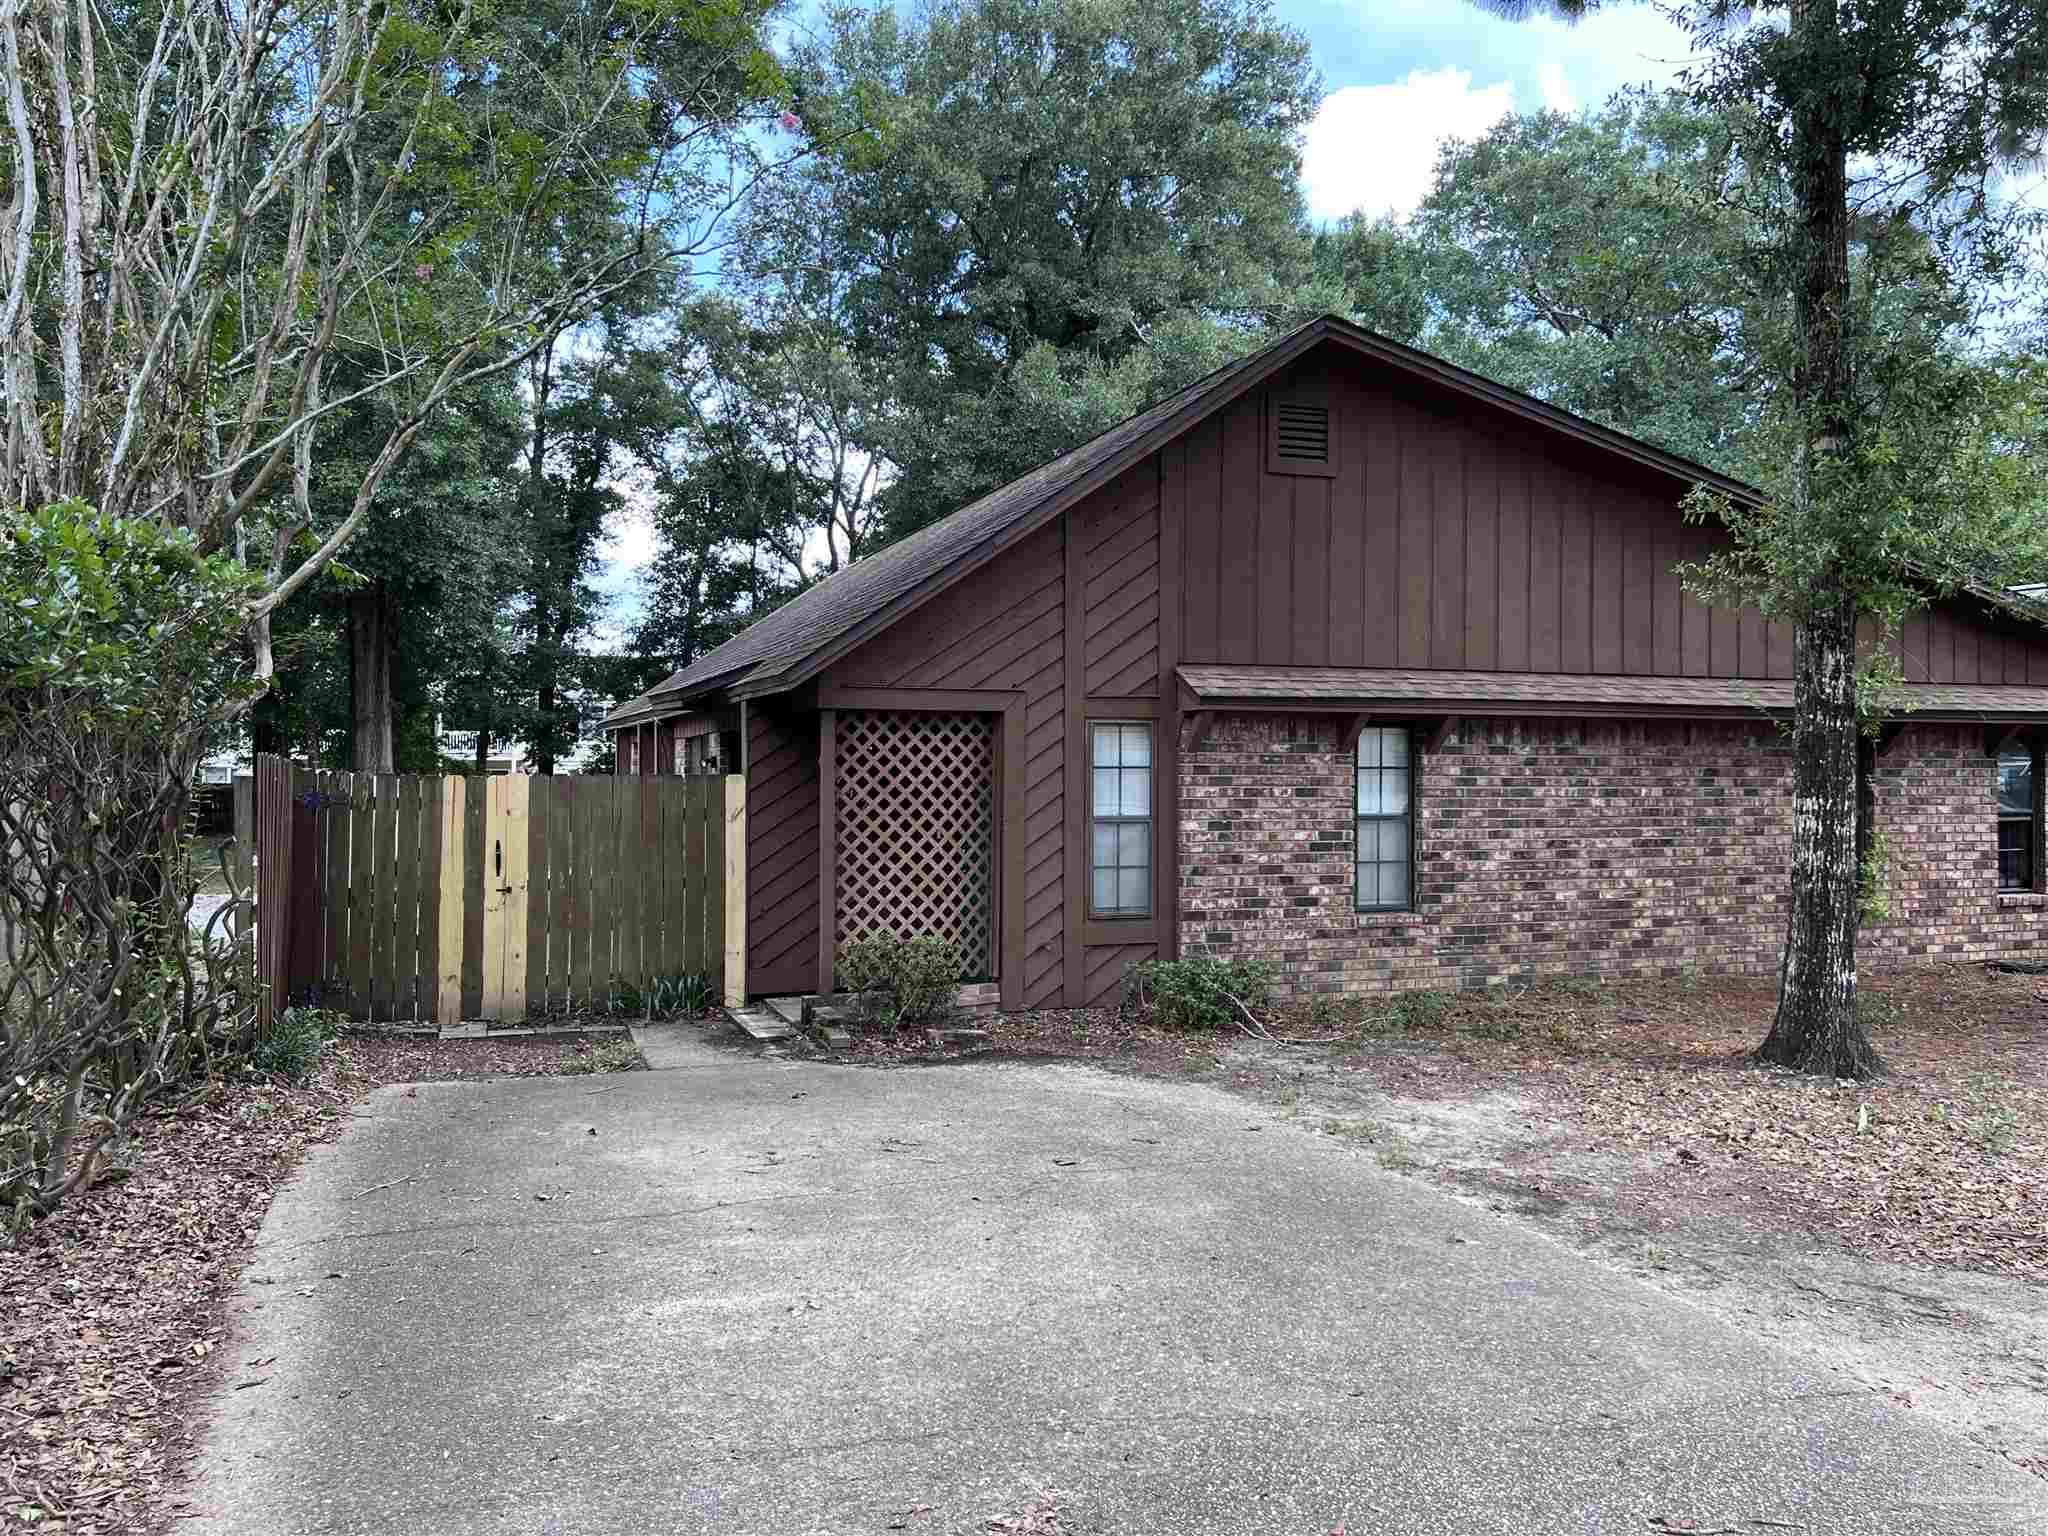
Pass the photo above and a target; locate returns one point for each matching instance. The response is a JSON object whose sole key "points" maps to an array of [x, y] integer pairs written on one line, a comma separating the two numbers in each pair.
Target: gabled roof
{"points": [[792, 643]]}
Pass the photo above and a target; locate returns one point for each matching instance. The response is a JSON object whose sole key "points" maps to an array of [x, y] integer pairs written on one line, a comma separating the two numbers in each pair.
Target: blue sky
{"points": [[1400, 76]]}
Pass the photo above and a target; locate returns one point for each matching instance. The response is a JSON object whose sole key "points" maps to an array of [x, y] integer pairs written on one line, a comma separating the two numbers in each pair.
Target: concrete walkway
{"points": [[757, 1296]]}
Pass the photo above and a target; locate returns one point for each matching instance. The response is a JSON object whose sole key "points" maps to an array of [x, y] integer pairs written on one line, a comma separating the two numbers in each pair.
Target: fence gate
{"points": [[915, 805], [424, 899]]}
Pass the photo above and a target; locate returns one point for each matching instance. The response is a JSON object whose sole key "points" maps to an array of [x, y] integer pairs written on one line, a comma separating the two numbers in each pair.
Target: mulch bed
{"points": [[111, 1310]]}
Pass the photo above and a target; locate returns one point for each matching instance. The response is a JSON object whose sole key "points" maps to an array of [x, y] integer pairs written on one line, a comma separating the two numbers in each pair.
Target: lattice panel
{"points": [[916, 827]]}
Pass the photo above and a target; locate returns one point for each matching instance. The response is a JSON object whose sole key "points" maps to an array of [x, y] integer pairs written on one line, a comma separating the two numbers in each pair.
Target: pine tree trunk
{"points": [[1816, 1028], [369, 650]]}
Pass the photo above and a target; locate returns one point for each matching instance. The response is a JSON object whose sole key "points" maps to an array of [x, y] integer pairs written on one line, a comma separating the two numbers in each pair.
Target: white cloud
{"points": [[1557, 91], [1374, 147]]}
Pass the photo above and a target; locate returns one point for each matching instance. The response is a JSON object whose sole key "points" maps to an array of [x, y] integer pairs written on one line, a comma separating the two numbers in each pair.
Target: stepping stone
{"points": [[964, 1036], [837, 1039], [761, 1024]]}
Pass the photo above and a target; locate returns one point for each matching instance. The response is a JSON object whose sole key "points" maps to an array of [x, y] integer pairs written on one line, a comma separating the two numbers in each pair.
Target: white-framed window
{"points": [[1120, 818], [1386, 819]]}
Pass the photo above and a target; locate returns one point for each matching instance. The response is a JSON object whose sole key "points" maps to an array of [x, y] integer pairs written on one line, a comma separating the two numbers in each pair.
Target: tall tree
{"points": [[208, 206], [1888, 121], [1037, 186]]}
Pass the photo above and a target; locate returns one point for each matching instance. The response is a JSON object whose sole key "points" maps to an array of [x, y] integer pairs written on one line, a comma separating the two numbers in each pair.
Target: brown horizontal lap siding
{"points": [[1002, 629], [782, 851]]}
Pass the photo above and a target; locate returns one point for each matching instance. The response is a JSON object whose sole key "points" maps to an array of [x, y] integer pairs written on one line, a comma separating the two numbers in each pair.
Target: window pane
{"points": [[1106, 740], [1394, 749], [1369, 748], [1393, 885], [2016, 784], [1137, 795], [1103, 895], [1368, 885], [1133, 839], [1105, 844], [1393, 844], [1137, 746], [1394, 791], [1106, 795], [1134, 890]]}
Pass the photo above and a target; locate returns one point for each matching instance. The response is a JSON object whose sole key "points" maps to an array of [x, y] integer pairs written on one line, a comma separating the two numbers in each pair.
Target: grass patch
{"points": [[1994, 1131], [606, 1056], [293, 1044]]}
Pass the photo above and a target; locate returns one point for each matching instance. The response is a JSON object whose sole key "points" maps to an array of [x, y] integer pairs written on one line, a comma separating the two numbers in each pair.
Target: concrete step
{"points": [[762, 1023]]}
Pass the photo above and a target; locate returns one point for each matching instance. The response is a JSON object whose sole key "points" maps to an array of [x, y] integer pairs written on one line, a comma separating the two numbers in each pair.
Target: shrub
{"points": [[913, 979], [1417, 1012], [609, 1056], [294, 1042], [670, 997], [868, 963], [1199, 993]]}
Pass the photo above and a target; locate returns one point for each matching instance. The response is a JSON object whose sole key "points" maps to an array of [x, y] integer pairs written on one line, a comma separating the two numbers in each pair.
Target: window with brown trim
{"points": [[1386, 820], [1120, 818], [2019, 819]]}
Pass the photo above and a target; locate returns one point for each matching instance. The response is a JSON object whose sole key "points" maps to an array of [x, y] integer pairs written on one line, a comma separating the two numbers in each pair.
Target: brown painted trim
{"points": [[1410, 708], [1198, 727], [1353, 729], [1173, 467], [1104, 706], [1440, 733], [963, 701], [828, 847], [1011, 770], [1888, 735], [1074, 866], [1103, 932]]}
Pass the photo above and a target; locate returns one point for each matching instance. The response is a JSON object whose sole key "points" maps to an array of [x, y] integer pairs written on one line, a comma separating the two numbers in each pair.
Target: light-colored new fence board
{"points": [[540, 800], [431, 900]]}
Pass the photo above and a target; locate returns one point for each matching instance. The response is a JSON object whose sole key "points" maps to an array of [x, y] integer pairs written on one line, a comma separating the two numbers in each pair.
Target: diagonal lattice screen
{"points": [[916, 828]]}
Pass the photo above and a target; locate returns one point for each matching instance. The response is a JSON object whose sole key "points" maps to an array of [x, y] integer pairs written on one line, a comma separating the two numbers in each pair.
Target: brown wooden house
{"points": [[1342, 658]]}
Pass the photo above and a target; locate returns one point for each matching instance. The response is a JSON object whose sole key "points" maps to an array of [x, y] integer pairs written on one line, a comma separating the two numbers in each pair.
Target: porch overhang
{"points": [[1410, 692]]}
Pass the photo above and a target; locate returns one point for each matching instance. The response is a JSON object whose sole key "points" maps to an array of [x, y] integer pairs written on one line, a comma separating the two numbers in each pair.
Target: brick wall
{"points": [[1568, 848]]}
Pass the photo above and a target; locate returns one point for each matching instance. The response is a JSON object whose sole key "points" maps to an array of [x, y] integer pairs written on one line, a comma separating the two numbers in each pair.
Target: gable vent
{"points": [[1301, 432], [1298, 434]]}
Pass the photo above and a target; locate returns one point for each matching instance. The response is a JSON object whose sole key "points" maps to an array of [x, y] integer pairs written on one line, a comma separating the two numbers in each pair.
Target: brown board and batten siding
{"points": [[1443, 538]]}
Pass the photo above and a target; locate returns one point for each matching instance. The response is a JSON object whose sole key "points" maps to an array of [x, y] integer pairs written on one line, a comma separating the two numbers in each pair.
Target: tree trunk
{"points": [[369, 652], [1816, 1028]]}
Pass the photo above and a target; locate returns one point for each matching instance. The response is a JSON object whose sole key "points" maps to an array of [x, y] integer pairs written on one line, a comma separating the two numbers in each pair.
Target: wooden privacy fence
{"points": [[426, 899]]}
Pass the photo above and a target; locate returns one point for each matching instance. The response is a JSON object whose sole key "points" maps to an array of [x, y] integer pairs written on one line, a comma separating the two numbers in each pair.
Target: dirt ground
{"points": [[1895, 1231], [111, 1309]]}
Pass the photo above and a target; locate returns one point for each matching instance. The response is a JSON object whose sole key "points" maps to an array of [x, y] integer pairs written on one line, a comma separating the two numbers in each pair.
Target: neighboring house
{"points": [[1345, 659]]}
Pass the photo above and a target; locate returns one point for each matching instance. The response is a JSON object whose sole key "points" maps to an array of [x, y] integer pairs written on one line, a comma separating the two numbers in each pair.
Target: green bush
{"points": [[908, 981], [1417, 1012], [294, 1042], [926, 975], [686, 996], [868, 963], [1197, 994], [620, 1055]]}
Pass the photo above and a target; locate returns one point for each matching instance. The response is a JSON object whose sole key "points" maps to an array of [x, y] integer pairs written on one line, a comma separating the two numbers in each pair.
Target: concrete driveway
{"points": [[791, 1298]]}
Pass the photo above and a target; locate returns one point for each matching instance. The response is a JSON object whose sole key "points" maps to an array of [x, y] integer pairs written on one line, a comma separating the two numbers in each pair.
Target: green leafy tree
{"points": [[1893, 472], [1007, 186], [117, 672]]}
